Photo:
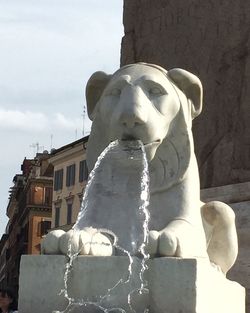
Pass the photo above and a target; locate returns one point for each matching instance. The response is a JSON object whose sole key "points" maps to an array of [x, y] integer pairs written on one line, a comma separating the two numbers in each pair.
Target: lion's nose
{"points": [[132, 112], [132, 117]]}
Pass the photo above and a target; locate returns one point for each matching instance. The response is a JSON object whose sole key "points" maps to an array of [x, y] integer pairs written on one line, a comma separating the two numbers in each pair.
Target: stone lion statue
{"points": [[146, 102]]}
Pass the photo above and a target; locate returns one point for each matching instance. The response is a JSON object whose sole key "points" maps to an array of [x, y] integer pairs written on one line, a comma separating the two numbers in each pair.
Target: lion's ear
{"points": [[191, 86], [94, 89]]}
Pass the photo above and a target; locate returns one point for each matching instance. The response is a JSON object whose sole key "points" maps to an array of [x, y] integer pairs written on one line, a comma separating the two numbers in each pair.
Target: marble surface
{"points": [[237, 196], [145, 102], [148, 103], [174, 285]]}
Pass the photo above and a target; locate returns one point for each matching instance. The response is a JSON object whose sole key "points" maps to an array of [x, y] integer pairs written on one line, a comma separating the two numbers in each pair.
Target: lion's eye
{"points": [[115, 92], [156, 91]]}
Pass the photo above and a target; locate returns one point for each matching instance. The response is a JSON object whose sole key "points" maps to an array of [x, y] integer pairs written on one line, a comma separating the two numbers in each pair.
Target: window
{"points": [[48, 196], [44, 227], [58, 180], [69, 213], [57, 216], [70, 178], [38, 195], [83, 171]]}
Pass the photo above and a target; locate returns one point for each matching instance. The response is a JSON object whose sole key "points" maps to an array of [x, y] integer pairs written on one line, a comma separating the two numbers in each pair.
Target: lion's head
{"points": [[146, 102]]}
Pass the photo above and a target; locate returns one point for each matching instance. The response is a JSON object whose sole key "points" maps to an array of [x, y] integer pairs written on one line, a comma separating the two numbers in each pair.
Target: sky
{"points": [[48, 50]]}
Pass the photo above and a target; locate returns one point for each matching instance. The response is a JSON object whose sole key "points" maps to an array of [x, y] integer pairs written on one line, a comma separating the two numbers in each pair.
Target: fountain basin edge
{"points": [[175, 285]]}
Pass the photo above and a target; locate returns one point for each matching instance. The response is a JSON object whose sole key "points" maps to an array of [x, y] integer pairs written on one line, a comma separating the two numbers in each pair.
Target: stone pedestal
{"points": [[174, 285]]}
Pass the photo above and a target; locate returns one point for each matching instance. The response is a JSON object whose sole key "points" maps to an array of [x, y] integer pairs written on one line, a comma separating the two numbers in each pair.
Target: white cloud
{"points": [[24, 121], [68, 123], [13, 120]]}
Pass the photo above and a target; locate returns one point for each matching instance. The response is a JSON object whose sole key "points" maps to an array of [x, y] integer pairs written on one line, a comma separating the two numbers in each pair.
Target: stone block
{"points": [[174, 285]]}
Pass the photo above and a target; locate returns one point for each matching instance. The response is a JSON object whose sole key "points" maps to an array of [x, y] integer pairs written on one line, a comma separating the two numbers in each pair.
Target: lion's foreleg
{"points": [[179, 239]]}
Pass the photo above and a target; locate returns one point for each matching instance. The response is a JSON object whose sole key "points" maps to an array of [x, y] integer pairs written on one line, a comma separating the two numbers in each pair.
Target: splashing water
{"points": [[115, 203]]}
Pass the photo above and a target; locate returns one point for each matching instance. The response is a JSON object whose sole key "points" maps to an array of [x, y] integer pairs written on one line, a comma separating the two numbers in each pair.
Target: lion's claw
{"points": [[168, 243], [85, 242]]}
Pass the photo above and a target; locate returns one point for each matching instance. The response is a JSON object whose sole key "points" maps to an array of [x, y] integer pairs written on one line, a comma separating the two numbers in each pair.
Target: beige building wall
{"points": [[65, 196]]}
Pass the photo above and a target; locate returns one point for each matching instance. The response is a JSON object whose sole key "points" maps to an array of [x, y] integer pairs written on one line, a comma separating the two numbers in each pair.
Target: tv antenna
{"points": [[51, 141], [83, 119], [36, 147]]}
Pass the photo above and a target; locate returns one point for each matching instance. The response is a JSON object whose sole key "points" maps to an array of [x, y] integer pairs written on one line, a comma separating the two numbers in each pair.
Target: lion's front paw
{"points": [[152, 245], [162, 243], [50, 244], [99, 245], [181, 239], [88, 241], [168, 243]]}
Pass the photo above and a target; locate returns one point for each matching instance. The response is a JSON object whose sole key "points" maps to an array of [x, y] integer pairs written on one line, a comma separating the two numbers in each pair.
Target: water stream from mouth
{"points": [[115, 203]]}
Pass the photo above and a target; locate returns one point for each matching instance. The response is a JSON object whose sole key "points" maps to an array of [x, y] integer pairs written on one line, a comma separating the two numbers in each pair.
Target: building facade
{"points": [[46, 195], [29, 213], [70, 178]]}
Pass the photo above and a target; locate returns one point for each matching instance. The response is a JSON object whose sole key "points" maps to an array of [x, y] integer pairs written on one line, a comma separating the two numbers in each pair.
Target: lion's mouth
{"points": [[129, 138], [150, 147], [145, 144], [157, 142]]}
